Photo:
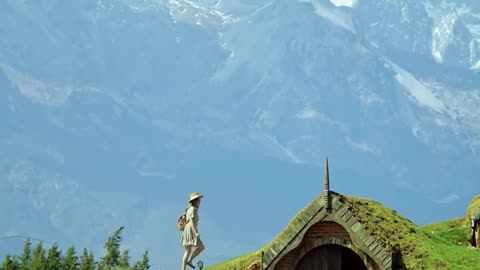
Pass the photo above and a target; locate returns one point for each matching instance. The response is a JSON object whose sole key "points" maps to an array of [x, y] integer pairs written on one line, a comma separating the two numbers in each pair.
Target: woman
{"points": [[190, 234]]}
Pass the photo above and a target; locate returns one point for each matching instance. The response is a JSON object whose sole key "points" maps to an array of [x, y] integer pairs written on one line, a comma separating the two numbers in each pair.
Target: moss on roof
{"points": [[420, 247], [437, 246]]}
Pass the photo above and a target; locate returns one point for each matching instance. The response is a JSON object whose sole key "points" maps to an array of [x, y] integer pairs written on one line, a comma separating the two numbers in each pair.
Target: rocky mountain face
{"points": [[114, 111]]}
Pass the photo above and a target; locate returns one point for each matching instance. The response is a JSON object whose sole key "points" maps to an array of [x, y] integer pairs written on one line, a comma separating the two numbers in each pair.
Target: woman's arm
{"points": [[195, 224]]}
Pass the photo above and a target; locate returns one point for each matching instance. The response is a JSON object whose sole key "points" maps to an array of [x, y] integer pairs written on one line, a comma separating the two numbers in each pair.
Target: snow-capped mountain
{"points": [[113, 111]]}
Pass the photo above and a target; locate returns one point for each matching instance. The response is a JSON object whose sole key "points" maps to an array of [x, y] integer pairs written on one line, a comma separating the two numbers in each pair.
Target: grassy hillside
{"points": [[440, 246], [456, 231]]}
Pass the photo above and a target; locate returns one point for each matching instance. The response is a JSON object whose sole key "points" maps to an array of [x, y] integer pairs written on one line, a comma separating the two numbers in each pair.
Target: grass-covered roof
{"points": [[474, 206], [437, 246]]}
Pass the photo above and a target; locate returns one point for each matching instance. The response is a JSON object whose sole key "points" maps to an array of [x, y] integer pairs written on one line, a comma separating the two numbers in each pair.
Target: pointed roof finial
{"points": [[326, 188], [326, 180]]}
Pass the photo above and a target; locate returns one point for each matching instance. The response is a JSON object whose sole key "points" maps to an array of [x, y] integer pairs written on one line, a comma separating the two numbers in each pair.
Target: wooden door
{"points": [[331, 257]]}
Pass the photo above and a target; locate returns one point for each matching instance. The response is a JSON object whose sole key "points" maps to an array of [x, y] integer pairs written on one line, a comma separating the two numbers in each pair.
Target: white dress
{"points": [[188, 234]]}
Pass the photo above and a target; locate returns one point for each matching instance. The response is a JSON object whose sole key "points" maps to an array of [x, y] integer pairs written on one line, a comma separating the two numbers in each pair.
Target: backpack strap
{"points": [[186, 210]]}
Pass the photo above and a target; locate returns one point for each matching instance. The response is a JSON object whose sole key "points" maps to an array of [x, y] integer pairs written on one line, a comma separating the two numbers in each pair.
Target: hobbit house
{"points": [[338, 232], [473, 213], [327, 235]]}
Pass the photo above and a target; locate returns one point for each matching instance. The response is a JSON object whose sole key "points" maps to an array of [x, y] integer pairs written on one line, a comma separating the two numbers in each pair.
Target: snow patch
{"points": [[455, 110], [332, 13], [442, 34], [307, 113], [142, 6], [445, 16], [258, 53], [422, 94], [193, 13], [344, 3], [476, 66], [52, 94]]}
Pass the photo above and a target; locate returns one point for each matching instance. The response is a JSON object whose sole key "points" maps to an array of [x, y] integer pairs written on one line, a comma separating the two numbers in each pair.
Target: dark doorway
{"points": [[331, 257], [475, 230]]}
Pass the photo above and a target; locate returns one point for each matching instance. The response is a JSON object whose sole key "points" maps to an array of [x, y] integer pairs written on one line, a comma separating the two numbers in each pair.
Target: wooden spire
{"points": [[326, 180], [326, 186]]}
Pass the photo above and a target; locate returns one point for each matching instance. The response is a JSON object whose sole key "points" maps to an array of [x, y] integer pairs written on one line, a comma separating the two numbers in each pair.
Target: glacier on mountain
{"points": [[52, 94], [190, 11], [443, 34], [344, 3], [418, 90], [454, 34], [331, 12]]}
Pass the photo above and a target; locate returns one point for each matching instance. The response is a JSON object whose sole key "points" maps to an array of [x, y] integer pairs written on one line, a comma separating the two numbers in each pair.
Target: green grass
{"points": [[239, 263], [454, 231], [439, 246]]}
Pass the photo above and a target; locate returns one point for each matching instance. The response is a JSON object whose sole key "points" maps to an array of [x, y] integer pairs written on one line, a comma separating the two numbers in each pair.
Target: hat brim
{"points": [[196, 197]]}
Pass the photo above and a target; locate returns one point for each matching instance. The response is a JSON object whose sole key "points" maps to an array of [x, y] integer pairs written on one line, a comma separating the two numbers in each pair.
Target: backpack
{"points": [[182, 221]]}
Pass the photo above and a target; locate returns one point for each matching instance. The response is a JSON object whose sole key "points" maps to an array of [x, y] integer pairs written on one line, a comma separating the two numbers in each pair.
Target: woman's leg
{"points": [[186, 255], [198, 249]]}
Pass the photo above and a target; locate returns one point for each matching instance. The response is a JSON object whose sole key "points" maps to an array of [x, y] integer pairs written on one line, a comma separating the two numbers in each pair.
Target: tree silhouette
{"points": [[26, 255], [54, 258], [144, 264], [70, 262], [124, 260], [38, 258], [113, 260], [10, 263], [87, 261], [112, 246]]}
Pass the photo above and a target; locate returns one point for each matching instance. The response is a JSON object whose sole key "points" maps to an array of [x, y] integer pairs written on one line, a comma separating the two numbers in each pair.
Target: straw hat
{"points": [[195, 195]]}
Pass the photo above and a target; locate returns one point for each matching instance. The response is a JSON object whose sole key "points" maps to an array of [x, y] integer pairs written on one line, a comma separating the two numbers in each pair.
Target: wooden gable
{"points": [[318, 225]]}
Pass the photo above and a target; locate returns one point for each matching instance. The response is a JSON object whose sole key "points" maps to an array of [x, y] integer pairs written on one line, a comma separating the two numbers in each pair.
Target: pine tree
{"points": [[10, 263], [112, 257], [54, 258], [87, 261], [70, 262], [124, 260], [38, 258], [26, 255], [144, 264]]}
